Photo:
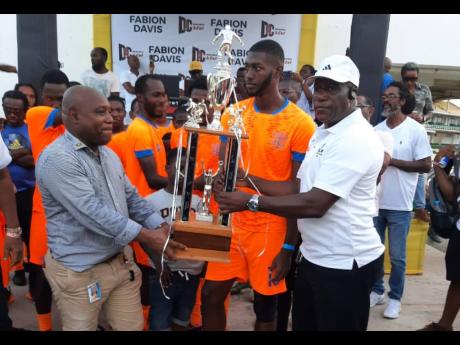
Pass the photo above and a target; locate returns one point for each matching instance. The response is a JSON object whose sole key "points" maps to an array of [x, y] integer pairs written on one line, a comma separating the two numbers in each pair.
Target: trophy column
{"points": [[187, 191]]}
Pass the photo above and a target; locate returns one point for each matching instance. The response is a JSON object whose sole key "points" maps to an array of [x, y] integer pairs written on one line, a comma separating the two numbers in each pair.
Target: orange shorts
{"points": [[249, 260]]}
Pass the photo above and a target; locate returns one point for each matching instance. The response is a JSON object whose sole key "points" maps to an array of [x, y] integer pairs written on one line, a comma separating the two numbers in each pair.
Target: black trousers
{"points": [[24, 206], [327, 299], [5, 321]]}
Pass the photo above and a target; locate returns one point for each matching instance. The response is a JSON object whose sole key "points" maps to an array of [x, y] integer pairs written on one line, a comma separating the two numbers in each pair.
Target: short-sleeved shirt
{"points": [[275, 141], [128, 76], [117, 144], [423, 99], [162, 203], [410, 143], [16, 138], [344, 160], [143, 140], [105, 83], [5, 157]]}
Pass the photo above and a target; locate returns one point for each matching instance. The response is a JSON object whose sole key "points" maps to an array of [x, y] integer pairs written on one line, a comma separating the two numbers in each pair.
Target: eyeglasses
{"points": [[410, 78], [390, 97], [15, 111]]}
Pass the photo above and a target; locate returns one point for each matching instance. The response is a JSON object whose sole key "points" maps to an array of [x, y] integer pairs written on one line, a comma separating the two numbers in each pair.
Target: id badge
{"points": [[94, 292]]}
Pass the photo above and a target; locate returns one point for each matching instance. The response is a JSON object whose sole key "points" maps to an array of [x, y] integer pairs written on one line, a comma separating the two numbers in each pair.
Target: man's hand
{"points": [[416, 116], [218, 185], [241, 178], [156, 239], [8, 69], [166, 280], [281, 265], [448, 150], [232, 202], [12, 248]]}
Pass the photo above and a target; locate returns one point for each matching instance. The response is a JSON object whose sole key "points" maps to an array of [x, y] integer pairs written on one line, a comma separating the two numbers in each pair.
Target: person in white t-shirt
{"points": [[128, 80], [341, 250], [367, 108], [411, 155], [99, 77]]}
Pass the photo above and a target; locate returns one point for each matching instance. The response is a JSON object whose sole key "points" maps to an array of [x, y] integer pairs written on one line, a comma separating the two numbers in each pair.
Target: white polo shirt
{"points": [[410, 143], [344, 160]]}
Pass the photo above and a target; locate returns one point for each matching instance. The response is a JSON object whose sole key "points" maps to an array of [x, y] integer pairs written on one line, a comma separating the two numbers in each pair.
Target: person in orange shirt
{"points": [[45, 125], [118, 112], [145, 159], [262, 244]]}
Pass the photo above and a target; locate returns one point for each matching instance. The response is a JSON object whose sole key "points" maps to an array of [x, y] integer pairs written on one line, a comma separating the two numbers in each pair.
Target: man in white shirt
{"points": [[341, 251], [305, 101], [128, 80], [99, 77], [411, 155]]}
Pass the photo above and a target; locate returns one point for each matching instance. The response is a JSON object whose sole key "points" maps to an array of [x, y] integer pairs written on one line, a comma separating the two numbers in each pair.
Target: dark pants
{"points": [[24, 207], [5, 321], [327, 299], [40, 289]]}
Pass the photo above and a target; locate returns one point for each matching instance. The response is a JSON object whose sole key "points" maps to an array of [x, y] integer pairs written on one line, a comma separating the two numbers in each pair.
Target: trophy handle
{"points": [[231, 172]]}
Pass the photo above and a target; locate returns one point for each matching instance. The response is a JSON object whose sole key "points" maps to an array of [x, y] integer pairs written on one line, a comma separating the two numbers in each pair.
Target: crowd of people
{"points": [[88, 180]]}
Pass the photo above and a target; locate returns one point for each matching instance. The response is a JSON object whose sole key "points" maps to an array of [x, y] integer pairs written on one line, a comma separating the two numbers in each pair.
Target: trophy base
{"points": [[204, 217], [205, 241]]}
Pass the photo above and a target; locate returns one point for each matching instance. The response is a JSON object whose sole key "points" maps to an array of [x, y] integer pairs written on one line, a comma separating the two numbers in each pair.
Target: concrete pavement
{"points": [[422, 303]]}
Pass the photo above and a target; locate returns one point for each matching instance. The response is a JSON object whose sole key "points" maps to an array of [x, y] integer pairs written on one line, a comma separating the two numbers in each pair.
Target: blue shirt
{"points": [[18, 138], [92, 209]]}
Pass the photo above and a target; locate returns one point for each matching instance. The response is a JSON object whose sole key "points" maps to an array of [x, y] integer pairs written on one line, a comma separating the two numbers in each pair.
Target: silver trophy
{"points": [[196, 110], [235, 122], [221, 84], [203, 214]]}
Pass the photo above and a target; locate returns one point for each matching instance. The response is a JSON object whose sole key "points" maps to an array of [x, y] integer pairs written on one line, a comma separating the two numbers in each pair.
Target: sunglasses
{"points": [[390, 97], [410, 78]]}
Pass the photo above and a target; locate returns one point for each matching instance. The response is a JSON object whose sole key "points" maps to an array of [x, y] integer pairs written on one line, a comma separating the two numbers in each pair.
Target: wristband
{"points": [[288, 246]]}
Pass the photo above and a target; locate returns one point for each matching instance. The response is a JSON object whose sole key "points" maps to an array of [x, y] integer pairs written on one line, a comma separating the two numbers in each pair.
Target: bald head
{"points": [[387, 64], [77, 95], [86, 114]]}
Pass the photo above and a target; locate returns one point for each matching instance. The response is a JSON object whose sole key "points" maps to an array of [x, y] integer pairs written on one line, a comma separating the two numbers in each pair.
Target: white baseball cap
{"points": [[339, 68]]}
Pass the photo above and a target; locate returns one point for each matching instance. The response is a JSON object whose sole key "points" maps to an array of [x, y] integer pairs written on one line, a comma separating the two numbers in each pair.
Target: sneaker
{"points": [[19, 278], [436, 327], [376, 299], [393, 309]]}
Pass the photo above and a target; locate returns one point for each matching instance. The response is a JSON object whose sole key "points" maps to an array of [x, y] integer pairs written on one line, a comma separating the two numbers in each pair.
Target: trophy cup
{"points": [[206, 235]]}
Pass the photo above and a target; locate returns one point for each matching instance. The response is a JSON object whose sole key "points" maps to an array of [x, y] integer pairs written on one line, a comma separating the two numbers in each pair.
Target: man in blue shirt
{"points": [[16, 138]]}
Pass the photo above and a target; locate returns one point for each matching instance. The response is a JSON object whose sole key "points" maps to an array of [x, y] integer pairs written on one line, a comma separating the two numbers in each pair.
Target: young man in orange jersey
{"points": [[118, 112], [262, 245], [45, 125], [145, 158]]}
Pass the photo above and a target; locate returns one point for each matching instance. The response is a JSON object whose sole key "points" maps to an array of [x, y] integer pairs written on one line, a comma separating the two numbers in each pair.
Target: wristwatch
{"points": [[253, 203]]}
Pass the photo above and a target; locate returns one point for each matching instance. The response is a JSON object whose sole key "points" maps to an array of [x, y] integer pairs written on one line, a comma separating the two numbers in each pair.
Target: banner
{"points": [[172, 41]]}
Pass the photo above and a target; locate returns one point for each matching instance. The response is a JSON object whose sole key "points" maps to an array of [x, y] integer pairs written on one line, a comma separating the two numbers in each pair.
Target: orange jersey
{"points": [[42, 133], [143, 140], [117, 144], [163, 130], [275, 141]]}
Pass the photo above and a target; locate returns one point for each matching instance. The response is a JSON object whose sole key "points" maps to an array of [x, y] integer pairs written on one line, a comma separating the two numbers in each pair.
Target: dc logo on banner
{"points": [[198, 54], [185, 25], [267, 30], [123, 52]]}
